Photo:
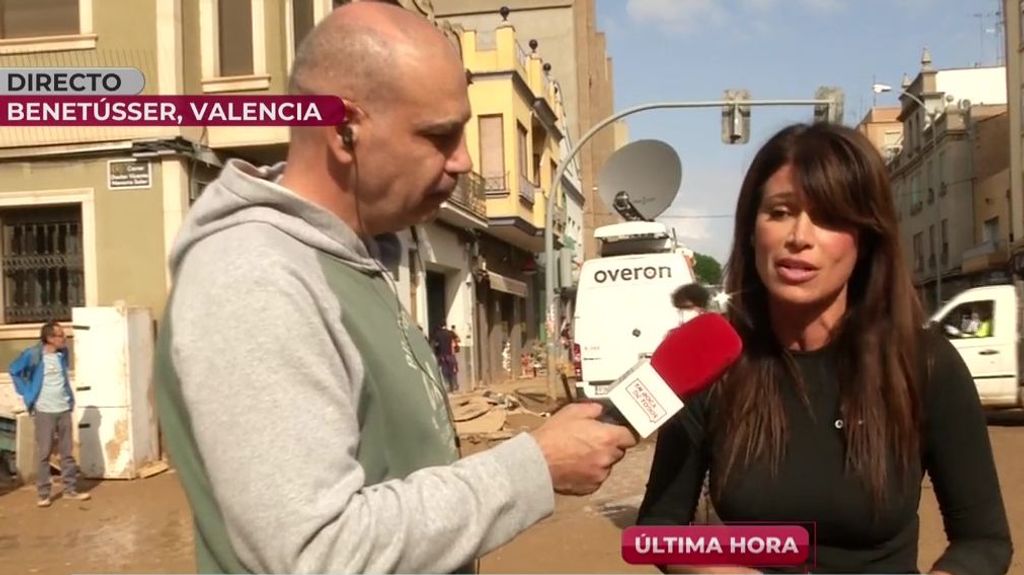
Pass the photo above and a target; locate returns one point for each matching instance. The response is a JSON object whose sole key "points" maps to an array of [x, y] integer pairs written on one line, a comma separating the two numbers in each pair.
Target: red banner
{"points": [[742, 545]]}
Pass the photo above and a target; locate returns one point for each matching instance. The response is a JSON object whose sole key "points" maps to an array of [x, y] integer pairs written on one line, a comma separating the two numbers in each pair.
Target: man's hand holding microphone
{"points": [[580, 449]]}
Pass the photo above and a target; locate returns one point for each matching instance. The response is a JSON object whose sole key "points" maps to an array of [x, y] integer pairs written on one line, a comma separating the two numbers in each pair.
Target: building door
{"points": [[437, 310]]}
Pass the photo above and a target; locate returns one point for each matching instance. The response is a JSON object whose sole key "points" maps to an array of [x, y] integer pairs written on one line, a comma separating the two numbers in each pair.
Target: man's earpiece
{"points": [[348, 136]]}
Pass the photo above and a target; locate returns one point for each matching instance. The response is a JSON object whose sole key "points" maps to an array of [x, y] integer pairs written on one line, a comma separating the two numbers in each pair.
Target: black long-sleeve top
{"points": [[811, 485]]}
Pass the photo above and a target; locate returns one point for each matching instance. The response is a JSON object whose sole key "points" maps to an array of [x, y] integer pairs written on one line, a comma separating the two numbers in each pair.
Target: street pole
{"points": [[938, 218], [553, 319]]}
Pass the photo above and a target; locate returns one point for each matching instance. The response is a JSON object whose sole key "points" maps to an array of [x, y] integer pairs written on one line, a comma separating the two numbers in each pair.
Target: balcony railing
{"points": [[521, 56], [470, 194], [560, 219], [527, 191], [496, 185]]}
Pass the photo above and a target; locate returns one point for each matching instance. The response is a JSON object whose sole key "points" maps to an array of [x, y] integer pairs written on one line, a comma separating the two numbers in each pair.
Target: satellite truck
{"points": [[623, 304]]}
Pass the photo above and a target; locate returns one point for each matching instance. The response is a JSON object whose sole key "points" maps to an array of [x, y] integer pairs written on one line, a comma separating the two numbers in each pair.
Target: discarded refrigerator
{"points": [[114, 419]]}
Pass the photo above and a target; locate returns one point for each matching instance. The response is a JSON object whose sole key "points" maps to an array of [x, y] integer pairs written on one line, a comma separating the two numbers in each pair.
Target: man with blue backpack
{"points": [[40, 375]]}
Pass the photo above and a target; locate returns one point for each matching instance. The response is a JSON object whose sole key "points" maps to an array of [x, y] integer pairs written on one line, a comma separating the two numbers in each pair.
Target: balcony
{"points": [[467, 206], [469, 194], [985, 256]]}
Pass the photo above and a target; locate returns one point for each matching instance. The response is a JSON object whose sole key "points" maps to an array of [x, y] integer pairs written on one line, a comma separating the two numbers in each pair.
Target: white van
{"points": [[984, 325], [624, 301]]}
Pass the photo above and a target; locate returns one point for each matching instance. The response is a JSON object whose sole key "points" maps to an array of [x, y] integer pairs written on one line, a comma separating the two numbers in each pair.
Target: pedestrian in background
{"points": [[40, 375]]}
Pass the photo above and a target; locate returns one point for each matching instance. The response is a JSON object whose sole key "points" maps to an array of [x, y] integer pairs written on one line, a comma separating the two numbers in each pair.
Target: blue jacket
{"points": [[27, 373]]}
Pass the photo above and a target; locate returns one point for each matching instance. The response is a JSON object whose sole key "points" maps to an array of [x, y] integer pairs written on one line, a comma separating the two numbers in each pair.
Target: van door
{"points": [[981, 324]]}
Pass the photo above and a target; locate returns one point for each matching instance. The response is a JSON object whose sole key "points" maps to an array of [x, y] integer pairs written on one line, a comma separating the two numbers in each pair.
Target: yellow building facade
{"points": [[514, 135], [515, 139]]}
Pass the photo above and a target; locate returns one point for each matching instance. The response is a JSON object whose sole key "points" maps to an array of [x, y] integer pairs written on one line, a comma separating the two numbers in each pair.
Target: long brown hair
{"points": [[845, 184]]}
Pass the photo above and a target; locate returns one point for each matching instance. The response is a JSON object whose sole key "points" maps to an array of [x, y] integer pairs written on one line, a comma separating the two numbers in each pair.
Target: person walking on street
{"points": [[443, 341], [40, 375], [331, 378]]}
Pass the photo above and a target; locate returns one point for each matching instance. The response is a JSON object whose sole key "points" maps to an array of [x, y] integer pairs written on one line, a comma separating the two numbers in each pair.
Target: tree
{"points": [[707, 268]]}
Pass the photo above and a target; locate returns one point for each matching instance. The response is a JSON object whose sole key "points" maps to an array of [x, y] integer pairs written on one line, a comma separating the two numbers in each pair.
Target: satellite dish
{"points": [[641, 179]]}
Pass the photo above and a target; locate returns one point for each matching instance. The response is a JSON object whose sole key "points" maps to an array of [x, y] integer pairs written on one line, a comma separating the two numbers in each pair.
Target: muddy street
{"points": [[144, 526]]}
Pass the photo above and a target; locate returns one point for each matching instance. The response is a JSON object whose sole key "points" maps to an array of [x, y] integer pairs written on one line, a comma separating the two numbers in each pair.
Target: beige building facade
{"points": [[990, 156], [1013, 18], [947, 177]]}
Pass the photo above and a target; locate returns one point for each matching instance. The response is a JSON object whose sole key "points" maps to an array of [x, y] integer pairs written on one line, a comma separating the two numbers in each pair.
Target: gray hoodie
{"points": [[303, 409]]}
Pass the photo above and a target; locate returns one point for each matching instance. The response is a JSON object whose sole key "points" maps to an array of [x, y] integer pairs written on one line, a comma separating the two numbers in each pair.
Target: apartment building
{"points": [[516, 139], [567, 38], [935, 177], [1013, 19]]}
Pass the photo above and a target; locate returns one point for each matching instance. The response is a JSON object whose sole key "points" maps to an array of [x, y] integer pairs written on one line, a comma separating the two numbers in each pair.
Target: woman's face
{"points": [[799, 261]]}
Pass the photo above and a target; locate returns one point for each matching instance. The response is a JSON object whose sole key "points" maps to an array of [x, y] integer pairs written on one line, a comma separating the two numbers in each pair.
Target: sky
{"points": [[687, 50]]}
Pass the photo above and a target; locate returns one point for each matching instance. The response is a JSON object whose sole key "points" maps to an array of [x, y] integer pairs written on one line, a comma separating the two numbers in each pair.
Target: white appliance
{"points": [[112, 363]]}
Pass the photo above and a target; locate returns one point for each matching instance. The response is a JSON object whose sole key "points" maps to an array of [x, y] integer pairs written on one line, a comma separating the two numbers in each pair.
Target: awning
{"points": [[506, 284]]}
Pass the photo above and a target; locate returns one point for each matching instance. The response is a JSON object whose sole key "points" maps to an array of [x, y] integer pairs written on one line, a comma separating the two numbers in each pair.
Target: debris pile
{"points": [[484, 415]]}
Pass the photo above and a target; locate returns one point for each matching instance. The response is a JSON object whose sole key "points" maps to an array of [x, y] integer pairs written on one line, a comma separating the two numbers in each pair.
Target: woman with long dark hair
{"points": [[842, 401]]}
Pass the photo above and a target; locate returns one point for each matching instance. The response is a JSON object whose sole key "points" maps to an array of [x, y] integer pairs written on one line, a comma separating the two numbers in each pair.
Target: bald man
{"points": [[303, 409]]}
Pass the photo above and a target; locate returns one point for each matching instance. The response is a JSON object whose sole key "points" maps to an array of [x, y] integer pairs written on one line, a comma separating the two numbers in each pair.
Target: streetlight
{"points": [[932, 116]]}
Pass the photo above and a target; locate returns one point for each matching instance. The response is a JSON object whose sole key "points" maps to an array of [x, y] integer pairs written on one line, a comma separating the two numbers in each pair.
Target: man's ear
{"points": [[346, 135]]}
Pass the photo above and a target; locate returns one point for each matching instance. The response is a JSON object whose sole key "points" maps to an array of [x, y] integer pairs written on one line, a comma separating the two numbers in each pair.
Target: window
{"points": [[521, 143], [234, 37], [931, 246], [930, 182], [38, 18], [233, 44], [42, 261], [941, 173], [944, 233], [526, 186], [303, 20], [918, 252], [990, 231], [970, 320], [492, 153]]}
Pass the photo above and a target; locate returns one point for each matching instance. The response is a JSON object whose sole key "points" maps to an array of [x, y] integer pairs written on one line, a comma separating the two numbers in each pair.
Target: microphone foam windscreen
{"points": [[697, 353]]}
